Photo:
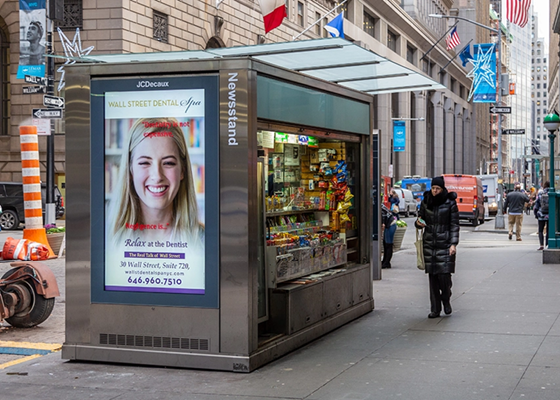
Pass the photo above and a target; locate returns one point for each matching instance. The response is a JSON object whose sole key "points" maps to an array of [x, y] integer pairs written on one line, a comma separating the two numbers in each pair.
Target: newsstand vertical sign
{"points": [[32, 43], [154, 189]]}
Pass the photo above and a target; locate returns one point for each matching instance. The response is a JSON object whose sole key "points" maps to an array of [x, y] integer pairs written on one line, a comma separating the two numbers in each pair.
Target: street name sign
{"points": [[55, 101], [36, 80], [47, 113], [34, 89], [500, 110], [513, 132]]}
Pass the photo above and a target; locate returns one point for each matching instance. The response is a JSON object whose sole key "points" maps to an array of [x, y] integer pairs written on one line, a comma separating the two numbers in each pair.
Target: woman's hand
{"points": [[452, 250], [420, 222]]}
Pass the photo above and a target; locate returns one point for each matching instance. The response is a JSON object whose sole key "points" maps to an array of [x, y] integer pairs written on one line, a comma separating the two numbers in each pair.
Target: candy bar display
{"points": [[309, 206]]}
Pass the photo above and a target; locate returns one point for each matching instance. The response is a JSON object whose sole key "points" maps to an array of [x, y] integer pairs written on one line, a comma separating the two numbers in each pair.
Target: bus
{"points": [[417, 185]]}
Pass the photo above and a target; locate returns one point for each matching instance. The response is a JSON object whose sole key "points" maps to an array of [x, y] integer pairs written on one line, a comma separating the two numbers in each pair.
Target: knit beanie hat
{"points": [[438, 181]]}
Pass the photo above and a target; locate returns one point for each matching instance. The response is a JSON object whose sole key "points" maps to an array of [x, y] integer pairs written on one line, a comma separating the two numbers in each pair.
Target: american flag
{"points": [[452, 39], [517, 11]]}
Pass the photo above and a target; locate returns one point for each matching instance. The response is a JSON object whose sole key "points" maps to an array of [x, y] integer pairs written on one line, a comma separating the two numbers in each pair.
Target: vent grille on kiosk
{"points": [[113, 339]]}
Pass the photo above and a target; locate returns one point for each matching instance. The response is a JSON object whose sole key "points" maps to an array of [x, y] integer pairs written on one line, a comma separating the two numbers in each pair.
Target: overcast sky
{"points": [[541, 7]]}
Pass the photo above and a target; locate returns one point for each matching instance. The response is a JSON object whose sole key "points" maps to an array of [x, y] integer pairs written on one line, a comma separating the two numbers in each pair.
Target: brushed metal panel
{"points": [[179, 322], [160, 358], [362, 288], [337, 294], [236, 308], [78, 253], [305, 307]]}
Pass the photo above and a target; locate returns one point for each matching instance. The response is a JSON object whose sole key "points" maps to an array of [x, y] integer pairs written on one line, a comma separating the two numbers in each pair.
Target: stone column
{"points": [[385, 130], [404, 158], [449, 143], [469, 139], [438, 156], [419, 162], [459, 142]]}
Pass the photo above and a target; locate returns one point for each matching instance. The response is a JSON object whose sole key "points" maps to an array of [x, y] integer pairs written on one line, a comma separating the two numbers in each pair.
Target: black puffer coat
{"points": [[442, 231]]}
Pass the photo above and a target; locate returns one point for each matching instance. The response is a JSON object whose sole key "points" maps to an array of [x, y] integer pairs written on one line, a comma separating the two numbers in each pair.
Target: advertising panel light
{"points": [[153, 137], [154, 160]]}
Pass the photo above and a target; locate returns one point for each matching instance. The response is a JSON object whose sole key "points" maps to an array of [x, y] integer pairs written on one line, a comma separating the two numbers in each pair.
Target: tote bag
{"points": [[419, 249]]}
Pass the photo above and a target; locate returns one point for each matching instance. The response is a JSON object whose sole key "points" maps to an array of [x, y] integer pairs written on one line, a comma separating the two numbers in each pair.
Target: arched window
{"points": [[4, 80]]}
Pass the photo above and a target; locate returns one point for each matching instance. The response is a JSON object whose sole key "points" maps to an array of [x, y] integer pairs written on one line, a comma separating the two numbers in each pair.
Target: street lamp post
{"points": [[551, 123], [499, 220]]}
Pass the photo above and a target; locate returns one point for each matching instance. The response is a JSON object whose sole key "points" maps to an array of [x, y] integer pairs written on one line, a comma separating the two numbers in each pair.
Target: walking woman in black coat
{"points": [[439, 216]]}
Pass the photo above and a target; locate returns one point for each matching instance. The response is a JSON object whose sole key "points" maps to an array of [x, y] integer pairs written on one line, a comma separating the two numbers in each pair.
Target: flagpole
{"points": [[456, 54], [435, 44], [319, 20]]}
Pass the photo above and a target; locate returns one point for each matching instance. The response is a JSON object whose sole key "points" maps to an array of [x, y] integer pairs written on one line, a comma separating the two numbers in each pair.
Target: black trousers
{"points": [[542, 238], [440, 291], [387, 255]]}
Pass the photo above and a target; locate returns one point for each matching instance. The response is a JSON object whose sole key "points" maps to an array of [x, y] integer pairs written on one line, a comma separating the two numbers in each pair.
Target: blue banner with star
{"points": [[483, 88]]}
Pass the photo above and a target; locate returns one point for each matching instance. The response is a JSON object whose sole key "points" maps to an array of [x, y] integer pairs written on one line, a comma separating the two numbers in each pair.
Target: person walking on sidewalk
{"points": [[389, 227], [439, 217], [541, 214], [514, 204]]}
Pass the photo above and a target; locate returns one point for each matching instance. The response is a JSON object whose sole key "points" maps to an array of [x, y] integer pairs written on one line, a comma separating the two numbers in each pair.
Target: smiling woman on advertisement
{"points": [[157, 199]]}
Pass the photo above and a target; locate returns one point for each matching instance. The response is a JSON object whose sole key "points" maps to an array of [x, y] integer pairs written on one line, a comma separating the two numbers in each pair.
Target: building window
{"points": [[300, 13], [544, 60], [369, 24], [4, 82], [288, 9], [538, 103], [538, 94], [538, 128], [538, 120], [539, 111], [544, 85], [73, 15], [160, 27], [318, 25], [538, 86], [392, 41], [410, 51], [538, 60]]}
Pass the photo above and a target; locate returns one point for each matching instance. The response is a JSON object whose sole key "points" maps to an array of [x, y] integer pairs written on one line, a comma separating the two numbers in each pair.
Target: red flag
{"points": [[273, 11], [452, 39], [517, 11]]}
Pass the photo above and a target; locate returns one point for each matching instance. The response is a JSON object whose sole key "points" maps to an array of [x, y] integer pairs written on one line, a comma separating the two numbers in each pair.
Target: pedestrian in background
{"points": [[439, 217], [389, 227], [394, 200], [541, 214], [514, 205]]}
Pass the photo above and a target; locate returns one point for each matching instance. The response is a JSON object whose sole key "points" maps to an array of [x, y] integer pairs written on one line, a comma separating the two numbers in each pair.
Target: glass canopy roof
{"points": [[331, 59]]}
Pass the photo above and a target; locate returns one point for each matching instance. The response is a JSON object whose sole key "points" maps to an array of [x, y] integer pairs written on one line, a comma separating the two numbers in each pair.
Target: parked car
{"points": [[407, 203], [11, 201]]}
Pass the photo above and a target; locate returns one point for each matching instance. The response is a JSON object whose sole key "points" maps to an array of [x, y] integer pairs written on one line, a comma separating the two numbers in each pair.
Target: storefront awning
{"points": [[333, 59]]}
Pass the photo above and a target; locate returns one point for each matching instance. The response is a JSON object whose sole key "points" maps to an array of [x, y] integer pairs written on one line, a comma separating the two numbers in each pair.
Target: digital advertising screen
{"points": [[155, 230]]}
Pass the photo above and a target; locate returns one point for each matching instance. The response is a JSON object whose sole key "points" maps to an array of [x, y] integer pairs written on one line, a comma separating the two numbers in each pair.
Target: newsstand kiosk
{"points": [[275, 173]]}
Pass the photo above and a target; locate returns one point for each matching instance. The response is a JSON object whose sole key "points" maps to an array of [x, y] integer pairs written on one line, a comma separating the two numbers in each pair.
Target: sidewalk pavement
{"points": [[502, 341]]}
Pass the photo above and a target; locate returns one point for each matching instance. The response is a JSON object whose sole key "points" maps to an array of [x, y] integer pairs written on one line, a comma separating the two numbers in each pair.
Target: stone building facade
{"points": [[444, 141]]}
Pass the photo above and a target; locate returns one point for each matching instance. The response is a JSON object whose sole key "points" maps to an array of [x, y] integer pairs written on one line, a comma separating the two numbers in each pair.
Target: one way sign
{"points": [[47, 113], [55, 101], [500, 110]]}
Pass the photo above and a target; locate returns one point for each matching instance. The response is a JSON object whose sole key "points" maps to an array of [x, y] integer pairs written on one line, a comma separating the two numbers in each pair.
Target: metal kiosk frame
{"points": [[217, 327]]}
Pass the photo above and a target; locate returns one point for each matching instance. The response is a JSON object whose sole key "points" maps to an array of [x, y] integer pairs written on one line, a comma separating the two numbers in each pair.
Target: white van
{"points": [[407, 203]]}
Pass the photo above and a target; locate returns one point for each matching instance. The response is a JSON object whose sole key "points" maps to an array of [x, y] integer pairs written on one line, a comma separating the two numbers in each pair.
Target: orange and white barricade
{"points": [[31, 177]]}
